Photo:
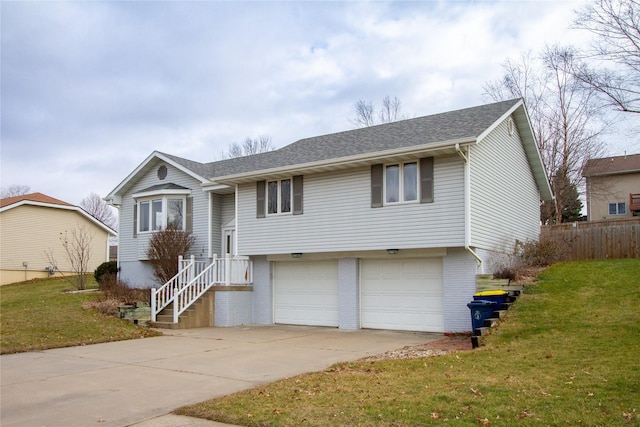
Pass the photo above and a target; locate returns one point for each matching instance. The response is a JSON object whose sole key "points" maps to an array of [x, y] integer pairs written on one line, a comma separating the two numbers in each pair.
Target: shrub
{"points": [[165, 246], [541, 253], [116, 290], [106, 268]]}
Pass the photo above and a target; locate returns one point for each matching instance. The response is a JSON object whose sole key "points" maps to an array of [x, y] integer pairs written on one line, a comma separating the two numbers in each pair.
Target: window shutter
{"points": [[297, 195], [135, 219], [426, 180], [376, 185], [260, 202], [189, 214]]}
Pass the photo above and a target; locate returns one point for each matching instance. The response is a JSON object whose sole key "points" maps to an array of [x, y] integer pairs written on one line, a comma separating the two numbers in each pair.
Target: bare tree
{"points": [[390, 111], [615, 52], [78, 247], [15, 190], [249, 146], [99, 209], [564, 118], [165, 246], [364, 114]]}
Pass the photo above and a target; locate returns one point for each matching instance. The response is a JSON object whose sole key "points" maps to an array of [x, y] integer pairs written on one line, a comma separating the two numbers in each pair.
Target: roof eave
{"points": [[336, 163]]}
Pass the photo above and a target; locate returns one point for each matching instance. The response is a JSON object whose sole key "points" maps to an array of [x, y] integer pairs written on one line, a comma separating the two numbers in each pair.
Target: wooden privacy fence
{"points": [[595, 239]]}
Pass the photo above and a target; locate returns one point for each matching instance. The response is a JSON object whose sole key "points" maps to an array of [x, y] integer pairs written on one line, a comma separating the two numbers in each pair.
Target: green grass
{"points": [[568, 353], [43, 314]]}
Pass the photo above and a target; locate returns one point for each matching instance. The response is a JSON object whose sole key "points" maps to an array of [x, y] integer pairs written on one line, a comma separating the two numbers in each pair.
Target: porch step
{"points": [[494, 320], [199, 315]]}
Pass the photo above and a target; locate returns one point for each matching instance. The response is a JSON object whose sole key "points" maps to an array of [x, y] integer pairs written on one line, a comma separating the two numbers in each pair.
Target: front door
{"points": [[228, 239]]}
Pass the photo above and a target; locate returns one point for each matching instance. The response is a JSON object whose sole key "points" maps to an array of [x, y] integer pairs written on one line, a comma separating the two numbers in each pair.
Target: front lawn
{"points": [[568, 353], [43, 314]]}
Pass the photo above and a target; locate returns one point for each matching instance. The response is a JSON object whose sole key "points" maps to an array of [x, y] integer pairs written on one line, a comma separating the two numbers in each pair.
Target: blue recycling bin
{"points": [[480, 310], [500, 297]]}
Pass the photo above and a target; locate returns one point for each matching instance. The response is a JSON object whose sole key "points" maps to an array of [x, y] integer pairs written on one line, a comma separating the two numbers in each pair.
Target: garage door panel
{"points": [[306, 293], [403, 294]]}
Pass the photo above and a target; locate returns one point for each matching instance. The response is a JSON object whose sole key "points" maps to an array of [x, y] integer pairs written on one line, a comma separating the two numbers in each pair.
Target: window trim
{"points": [[617, 208], [164, 197], [296, 193], [279, 196], [401, 183]]}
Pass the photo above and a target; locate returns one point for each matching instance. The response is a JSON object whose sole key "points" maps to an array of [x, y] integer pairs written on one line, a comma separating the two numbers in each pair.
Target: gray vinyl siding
{"points": [[338, 216], [134, 249], [504, 197], [459, 271]]}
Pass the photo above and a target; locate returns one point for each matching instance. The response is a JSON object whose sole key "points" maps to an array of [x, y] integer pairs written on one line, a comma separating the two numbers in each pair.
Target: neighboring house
{"points": [[31, 227], [613, 187], [383, 227]]}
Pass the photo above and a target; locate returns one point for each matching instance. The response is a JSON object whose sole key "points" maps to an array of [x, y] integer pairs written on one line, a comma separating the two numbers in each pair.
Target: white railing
{"points": [[194, 278]]}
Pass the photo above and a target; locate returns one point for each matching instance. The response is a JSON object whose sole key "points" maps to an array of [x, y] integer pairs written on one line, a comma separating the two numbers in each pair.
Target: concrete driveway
{"points": [[129, 382]]}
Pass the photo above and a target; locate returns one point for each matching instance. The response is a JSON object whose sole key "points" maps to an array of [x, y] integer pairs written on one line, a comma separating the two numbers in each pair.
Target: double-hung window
{"points": [[279, 196], [401, 182], [619, 208], [407, 182]]}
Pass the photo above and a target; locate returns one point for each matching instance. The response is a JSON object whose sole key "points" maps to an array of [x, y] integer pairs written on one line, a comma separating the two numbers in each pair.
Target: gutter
{"points": [[335, 162], [467, 203]]}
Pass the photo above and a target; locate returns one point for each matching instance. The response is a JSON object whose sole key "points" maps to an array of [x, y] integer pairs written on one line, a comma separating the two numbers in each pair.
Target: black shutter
{"points": [[135, 219], [297, 195], [426, 180], [260, 201], [377, 172], [189, 214]]}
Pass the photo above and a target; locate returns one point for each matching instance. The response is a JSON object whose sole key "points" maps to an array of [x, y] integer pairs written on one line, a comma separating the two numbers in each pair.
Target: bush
{"points": [[541, 253], [114, 289], [106, 268]]}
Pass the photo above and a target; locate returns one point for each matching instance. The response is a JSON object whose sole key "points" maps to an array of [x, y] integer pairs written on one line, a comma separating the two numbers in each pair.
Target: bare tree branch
{"points": [[15, 190], [250, 146], [612, 66], [99, 209]]}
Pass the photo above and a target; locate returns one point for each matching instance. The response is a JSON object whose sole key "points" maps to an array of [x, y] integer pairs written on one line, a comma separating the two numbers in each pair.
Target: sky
{"points": [[90, 89]]}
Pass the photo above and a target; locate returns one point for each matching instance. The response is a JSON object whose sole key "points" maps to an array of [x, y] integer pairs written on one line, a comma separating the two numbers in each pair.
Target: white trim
{"points": [[370, 158], [401, 200], [164, 198], [279, 201], [115, 198], [162, 192]]}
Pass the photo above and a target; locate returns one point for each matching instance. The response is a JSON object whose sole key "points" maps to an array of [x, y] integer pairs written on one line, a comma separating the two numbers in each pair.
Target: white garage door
{"points": [[402, 294], [306, 293]]}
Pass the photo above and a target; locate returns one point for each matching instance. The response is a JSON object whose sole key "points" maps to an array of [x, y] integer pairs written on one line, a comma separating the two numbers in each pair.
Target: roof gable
{"points": [[39, 199]]}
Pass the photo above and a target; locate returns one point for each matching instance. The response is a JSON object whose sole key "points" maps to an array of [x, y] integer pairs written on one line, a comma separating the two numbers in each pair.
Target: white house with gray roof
{"points": [[383, 227]]}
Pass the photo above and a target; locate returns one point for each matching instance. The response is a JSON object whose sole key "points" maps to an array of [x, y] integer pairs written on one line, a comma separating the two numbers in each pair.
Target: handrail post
{"points": [[175, 309], [227, 270], [153, 304], [192, 269]]}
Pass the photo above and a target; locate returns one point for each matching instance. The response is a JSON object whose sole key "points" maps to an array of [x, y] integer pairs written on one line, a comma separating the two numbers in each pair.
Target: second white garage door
{"points": [[306, 293], [402, 294]]}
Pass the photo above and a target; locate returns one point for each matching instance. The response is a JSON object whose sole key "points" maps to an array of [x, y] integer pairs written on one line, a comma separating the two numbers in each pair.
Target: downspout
{"points": [[467, 204]]}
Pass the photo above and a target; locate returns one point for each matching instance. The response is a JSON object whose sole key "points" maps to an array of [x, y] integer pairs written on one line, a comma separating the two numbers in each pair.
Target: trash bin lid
{"points": [[481, 303], [490, 293]]}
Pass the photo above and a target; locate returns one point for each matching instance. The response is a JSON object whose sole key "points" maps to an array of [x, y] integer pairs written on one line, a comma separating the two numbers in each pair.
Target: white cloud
{"points": [[90, 89]]}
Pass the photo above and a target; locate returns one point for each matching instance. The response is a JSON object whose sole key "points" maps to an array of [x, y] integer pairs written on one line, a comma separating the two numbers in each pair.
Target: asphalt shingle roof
{"points": [[32, 197], [612, 165], [467, 123]]}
